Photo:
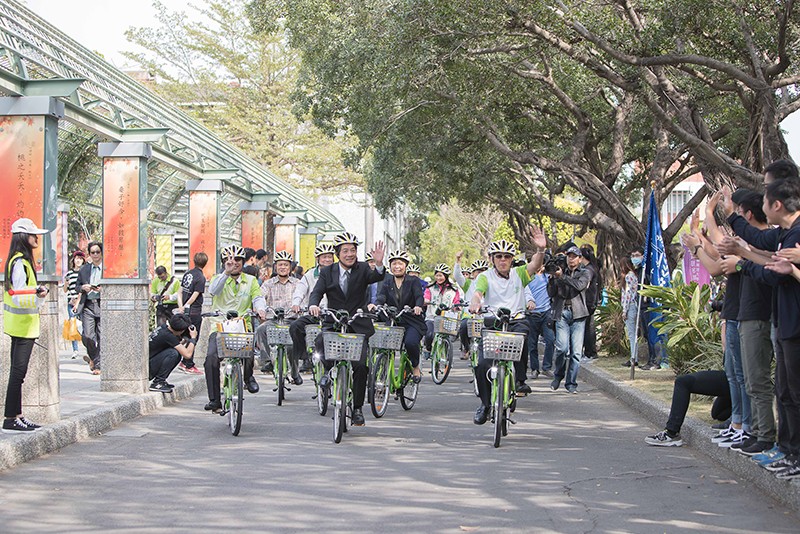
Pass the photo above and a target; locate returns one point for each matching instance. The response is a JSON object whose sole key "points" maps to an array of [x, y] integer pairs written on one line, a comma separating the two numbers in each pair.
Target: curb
{"points": [[25, 447], [698, 435]]}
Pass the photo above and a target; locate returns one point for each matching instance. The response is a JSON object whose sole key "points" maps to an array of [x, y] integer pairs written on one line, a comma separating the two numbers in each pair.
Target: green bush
{"points": [[694, 340], [611, 326]]}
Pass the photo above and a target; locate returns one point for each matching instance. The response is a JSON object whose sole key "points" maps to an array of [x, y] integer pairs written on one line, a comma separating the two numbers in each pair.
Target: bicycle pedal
{"points": [[223, 412], [287, 388]]}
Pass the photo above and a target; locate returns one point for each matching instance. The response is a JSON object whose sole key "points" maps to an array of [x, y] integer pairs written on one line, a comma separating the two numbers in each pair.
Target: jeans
{"points": [[630, 330], [163, 363], [72, 314], [21, 349], [539, 324], [740, 402], [569, 346]]}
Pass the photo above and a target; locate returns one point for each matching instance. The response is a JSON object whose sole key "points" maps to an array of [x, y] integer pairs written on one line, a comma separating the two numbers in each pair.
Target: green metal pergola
{"points": [[36, 58]]}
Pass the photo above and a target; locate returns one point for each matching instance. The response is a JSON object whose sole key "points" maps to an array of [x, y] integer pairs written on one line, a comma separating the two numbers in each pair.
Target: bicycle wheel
{"points": [[373, 355], [323, 394], [498, 396], [441, 360], [408, 393], [508, 393], [280, 372], [379, 385], [339, 403], [237, 398], [473, 361]]}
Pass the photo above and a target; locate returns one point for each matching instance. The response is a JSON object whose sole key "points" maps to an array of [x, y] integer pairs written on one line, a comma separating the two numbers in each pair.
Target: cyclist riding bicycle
{"points": [[503, 287], [414, 271], [401, 291], [302, 292], [278, 292], [231, 290], [345, 285], [442, 292]]}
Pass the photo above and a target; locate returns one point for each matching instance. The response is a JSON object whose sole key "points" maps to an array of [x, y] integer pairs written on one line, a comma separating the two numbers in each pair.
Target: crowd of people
{"points": [[755, 245]]}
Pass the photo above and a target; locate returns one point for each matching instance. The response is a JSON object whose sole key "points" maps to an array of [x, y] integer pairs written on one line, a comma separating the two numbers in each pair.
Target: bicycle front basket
{"points": [[235, 345], [474, 327], [312, 331], [445, 325], [340, 346], [499, 345], [278, 334], [387, 337]]}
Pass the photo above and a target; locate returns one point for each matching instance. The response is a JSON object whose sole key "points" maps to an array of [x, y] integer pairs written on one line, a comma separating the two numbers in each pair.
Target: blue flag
{"points": [[655, 264]]}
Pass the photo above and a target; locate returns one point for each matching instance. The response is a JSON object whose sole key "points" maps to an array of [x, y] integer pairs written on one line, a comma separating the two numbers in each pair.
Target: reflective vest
{"points": [[22, 320]]}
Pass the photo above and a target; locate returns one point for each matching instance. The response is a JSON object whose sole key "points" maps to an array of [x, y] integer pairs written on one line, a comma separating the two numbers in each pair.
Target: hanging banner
{"points": [[284, 238], [22, 175], [163, 255], [253, 227], [693, 269], [308, 243], [203, 227], [120, 217]]}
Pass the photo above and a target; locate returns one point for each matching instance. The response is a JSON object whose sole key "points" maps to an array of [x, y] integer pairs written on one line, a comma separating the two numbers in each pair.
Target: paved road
{"points": [[573, 463]]}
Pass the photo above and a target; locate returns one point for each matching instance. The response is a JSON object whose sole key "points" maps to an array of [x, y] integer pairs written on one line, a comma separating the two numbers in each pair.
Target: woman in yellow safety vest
{"points": [[21, 317]]}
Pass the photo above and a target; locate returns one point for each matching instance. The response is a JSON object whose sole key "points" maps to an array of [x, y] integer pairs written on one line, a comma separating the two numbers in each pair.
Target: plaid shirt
{"points": [[277, 294]]}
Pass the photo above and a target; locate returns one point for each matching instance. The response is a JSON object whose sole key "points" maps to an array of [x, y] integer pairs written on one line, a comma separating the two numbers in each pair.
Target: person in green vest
{"points": [[21, 299], [164, 291]]}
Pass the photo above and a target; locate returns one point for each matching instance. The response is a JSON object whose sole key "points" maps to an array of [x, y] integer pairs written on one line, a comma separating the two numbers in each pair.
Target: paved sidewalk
{"points": [[86, 411], [696, 434]]}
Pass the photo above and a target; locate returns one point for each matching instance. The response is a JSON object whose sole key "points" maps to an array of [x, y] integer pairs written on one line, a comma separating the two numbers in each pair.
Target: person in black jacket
{"points": [[401, 291], [593, 297], [345, 284], [89, 306]]}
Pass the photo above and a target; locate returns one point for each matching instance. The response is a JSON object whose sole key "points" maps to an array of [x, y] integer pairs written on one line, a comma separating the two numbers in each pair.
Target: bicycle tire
{"points": [[322, 393], [379, 385], [441, 361], [340, 403], [280, 372], [498, 389], [473, 362], [237, 399], [508, 391], [408, 392], [475, 383], [373, 355]]}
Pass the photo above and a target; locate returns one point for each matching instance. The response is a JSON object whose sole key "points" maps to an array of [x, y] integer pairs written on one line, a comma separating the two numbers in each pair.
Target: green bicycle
{"points": [[385, 379], [445, 329], [321, 394], [474, 328], [280, 343]]}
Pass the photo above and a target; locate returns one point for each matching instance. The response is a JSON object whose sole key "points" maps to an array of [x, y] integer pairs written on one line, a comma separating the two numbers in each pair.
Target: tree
{"points": [[238, 83], [515, 103]]}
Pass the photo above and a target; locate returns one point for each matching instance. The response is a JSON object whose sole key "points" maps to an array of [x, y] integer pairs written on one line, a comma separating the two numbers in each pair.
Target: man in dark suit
{"points": [[345, 284], [400, 291]]}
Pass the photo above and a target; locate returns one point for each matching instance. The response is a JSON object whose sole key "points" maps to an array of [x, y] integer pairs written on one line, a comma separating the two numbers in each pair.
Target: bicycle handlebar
{"points": [[230, 314]]}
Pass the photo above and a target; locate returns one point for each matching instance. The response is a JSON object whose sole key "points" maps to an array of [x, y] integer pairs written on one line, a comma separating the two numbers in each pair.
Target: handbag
{"points": [[70, 330]]}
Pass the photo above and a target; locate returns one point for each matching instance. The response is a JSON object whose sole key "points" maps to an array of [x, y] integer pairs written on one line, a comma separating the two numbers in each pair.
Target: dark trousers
{"points": [[411, 340], [298, 332], [211, 367], [359, 370], [21, 349], [711, 383], [484, 386], [590, 337], [787, 388], [163, 363], [541, 324], [463, 335], [196, 319], [91, 330]]}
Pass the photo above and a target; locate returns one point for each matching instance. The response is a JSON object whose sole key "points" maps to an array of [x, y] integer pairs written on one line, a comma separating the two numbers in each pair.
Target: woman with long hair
{"points": [[441, 292], [629, 294], [21, 299], [77, 259]]}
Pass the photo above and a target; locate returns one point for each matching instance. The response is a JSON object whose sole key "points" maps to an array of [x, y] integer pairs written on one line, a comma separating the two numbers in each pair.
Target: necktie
{"points": [[345, 281]]}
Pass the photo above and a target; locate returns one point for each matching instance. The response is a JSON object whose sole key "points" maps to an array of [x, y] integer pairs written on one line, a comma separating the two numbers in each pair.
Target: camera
{"points": [[559, 261]]}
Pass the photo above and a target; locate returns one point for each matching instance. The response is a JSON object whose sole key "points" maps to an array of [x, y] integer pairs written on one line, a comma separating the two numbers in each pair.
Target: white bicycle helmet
{"points": [[502, 247], [413, 268], [399, 255], [324, 248], [283, 256], [479, 265], [344, 238], [231, 251], [368, 256], [442, 268]]}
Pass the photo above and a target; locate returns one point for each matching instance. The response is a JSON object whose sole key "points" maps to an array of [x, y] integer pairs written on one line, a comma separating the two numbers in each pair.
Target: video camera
{"points": [[559, 261]]}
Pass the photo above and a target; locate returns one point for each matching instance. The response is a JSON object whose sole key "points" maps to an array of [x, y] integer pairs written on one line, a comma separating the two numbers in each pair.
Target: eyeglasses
{"points": [[95, 252], [503, 256]]}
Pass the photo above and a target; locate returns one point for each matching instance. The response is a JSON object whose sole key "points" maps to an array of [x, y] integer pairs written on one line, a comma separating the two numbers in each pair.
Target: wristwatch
{"points": [[739, 266]]}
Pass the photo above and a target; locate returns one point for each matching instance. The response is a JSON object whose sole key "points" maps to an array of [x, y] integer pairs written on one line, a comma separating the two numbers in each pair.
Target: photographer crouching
{"points": [[569, 280]]}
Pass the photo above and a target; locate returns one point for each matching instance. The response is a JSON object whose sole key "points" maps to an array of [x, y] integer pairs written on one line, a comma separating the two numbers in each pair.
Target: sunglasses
{"points": [[503, 256]]}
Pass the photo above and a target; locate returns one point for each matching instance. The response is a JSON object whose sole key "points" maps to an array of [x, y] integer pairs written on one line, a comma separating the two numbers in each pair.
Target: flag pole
{"points": [[635, 348]]}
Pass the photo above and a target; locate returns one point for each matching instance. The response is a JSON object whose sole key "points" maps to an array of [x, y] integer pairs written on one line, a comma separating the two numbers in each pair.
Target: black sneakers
{"points": [[358, 417], [481, 414], [756, 448], [161, 386], [17, 425]]}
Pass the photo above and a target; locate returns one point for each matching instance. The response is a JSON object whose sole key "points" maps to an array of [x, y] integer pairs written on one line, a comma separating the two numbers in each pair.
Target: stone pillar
{"points": [[124, 286], [29, 174], [204, 198], [287, 235]]}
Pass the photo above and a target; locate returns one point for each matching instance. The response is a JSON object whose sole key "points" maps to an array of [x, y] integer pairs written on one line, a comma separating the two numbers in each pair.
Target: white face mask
{"points": [[636, 261]]}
